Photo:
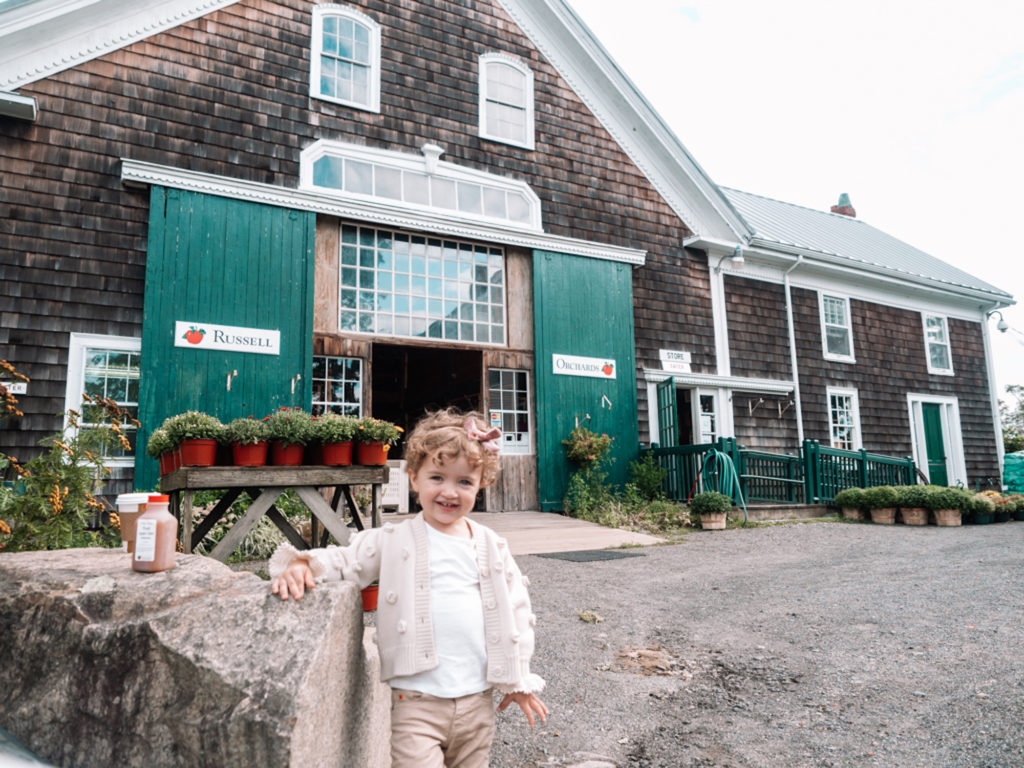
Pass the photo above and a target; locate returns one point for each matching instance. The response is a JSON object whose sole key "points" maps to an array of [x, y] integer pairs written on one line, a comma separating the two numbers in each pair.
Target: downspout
{"points": [[993, 392], [798, 411]]}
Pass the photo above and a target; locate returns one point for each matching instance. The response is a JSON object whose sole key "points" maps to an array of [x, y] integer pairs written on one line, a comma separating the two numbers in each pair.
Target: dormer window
{"points": [[345, 57], [506, 100]]}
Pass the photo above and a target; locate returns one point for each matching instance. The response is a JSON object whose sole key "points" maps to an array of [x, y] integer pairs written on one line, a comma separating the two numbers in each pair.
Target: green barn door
{"points": [[239, 271], [585, 363], [935, 445], [668, 437]]}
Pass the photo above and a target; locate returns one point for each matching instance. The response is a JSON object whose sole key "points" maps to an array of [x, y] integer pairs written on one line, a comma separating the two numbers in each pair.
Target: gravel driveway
{"points": [[812, 644]]}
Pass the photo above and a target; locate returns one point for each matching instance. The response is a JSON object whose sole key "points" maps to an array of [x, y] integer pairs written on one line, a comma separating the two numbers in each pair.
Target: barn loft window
{"points": [[508, 399], [936, 341], [418, 182], [413, 286], [836, 330], [337, 385], [506, 100], [844, 419], [345, 57]]}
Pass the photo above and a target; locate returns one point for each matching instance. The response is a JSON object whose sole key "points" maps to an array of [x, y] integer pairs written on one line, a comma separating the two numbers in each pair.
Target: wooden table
{"points": [[264, 485]]}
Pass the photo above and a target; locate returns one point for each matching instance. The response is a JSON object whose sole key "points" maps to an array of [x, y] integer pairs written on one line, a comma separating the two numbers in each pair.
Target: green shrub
{"points": [[159, 443], [880, 497], [980, 505], [709, 502], [584, 447], [245, 431], [850, 498], [911, 496], [290, 426], [335, 428], [941, 497], [192, 425], [648, 476]]}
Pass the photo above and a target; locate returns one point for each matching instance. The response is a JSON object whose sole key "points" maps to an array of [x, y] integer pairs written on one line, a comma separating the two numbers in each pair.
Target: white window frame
{"points": [[326, 403], [485, 61], [320, 14], [928, 343], [75, 387], [850, 358], [509, 445], [831, 392]]}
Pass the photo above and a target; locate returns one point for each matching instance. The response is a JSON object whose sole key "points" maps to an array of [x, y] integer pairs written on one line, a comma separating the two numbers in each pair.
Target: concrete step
{"points": [[761, 512]]}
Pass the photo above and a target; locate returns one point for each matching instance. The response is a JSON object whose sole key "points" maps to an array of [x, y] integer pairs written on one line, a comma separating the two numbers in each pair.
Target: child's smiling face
{"points": [[447, 493]]}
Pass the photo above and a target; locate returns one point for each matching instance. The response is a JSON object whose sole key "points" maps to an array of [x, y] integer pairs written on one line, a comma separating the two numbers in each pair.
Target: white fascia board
{"points": [[63, 35], [569, 46], [375, 212], [735, 383], [17, 106]]}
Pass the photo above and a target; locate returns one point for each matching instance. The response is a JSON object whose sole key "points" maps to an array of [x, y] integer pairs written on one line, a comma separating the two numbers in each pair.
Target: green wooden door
{"points": [[668, 437], [213, 261], [931, 416], [583, 317]]}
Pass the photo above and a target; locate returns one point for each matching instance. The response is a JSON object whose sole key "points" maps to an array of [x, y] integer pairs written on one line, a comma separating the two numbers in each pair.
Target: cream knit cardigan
{"points": [[397, 556]]}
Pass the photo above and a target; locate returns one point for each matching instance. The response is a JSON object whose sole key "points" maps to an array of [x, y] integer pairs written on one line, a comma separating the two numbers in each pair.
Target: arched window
{"points": [[345, 57], [506, 100]]}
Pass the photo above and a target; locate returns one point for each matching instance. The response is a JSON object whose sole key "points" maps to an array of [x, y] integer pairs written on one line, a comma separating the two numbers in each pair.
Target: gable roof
{"points": [[845, 240]]}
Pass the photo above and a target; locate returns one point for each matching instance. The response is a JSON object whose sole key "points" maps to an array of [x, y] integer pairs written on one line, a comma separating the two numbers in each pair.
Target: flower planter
{"points": [[337, 454], [1001, 517], [947, 517], [289, 455], [371, 454], [250, 454], [914, 516], [198, 453], [369, 595], [853, 513], [983, 518], [884, 516], [712, 521], [168, 462], [1019, 514]]}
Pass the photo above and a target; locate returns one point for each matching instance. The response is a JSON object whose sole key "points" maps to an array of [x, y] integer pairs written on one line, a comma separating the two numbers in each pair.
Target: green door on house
{"points": [[935, 445], [236, 278]]}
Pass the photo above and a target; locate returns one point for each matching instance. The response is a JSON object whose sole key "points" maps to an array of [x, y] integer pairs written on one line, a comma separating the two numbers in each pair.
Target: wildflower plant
{"points": [[371, 430]]}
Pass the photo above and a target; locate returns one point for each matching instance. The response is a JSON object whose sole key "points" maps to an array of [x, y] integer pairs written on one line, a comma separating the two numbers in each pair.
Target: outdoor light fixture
{"points": [[1002, 326], [736, 258]]}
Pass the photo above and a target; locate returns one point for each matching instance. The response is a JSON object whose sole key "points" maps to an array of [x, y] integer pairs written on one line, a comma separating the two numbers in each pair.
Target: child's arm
{"points": [[293, 571]]}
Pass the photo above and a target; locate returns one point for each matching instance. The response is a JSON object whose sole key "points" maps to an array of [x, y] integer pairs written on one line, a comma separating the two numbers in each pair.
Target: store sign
{"points": [[673, 361], [226, 338], [15, 387], [593, 367]]}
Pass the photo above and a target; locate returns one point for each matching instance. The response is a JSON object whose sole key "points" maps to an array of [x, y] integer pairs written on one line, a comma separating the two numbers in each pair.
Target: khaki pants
{"points": [[430, 732]]}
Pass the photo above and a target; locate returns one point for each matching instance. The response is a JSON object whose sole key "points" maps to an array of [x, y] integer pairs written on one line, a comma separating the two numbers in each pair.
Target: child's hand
{"points": [[529, 703], [294, 580]]}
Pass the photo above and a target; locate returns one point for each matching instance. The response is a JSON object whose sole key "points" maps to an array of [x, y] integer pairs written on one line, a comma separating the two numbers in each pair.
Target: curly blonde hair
{"points": [[441, 436]]}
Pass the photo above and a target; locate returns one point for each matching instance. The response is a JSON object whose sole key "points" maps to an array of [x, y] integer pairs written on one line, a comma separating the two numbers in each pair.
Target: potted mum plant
{"points": [[910, 499], [981, 508], [159, 446], [335, 434], [851, 502], [374, 438], [248, 440], [946, 504], [712, 508], [195, 435], [881, 501], [288, 430]]}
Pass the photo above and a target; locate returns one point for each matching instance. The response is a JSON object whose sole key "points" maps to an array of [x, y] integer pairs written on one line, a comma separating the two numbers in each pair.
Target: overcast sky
{"points": [[916, 109]]}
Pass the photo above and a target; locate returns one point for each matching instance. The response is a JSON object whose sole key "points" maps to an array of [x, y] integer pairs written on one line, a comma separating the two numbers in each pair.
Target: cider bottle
{"points": [[156, 537]]}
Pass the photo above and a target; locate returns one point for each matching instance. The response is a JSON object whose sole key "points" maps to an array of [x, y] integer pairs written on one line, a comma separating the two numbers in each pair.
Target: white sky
{"points": [[914, 108]]}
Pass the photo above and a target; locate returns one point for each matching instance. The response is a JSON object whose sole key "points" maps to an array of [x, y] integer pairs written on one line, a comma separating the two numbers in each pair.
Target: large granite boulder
{"points": [[101, 666]]}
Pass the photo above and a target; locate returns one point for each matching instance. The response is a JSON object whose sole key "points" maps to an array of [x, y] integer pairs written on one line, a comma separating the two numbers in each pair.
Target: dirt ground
{"points": [[813, 644]]}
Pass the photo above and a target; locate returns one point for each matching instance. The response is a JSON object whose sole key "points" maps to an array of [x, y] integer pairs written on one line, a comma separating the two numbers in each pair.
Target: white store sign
{"points": [[673, 361], [593, 367], [16, 387], [226, 338]]}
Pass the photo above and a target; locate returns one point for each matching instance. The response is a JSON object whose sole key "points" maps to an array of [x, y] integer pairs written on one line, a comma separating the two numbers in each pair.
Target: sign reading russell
{"points": [[226, 338], [594, 367]]}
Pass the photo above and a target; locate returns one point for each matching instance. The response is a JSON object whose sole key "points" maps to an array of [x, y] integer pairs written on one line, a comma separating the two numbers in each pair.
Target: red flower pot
{"points": [[371, 454], [198, 453], [166, 462], [337, 454], [250, 455], [370, 597], [289, 455]]}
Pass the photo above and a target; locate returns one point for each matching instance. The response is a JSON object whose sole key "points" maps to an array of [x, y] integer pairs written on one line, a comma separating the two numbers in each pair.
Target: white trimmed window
{"points": [[936, 342], [109, 367], [345, 57], [836, 328], [844, 419], [337, 385], [506, 100], [708, 419], [508, 395]]}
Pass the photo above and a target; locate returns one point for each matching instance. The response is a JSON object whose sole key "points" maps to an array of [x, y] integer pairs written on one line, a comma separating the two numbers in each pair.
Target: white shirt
{"points": [[458, 617]]}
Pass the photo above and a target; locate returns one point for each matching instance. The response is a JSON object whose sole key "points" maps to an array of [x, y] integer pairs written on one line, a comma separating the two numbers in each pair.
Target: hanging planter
{"points": [[198, 453], [337, 454], [286, 454], [372, 454], [249, 454]]}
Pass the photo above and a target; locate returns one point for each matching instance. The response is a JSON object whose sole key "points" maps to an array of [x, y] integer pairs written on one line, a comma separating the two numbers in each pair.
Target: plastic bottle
{"points": [[156, 537]]}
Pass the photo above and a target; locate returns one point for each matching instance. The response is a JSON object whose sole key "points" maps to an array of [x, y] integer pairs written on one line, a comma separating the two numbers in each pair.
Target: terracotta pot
{"points": [[370, 598], [713, 521], [371, 454], [884, 516], [166, 461], [337, 454], [853, 513], [289, 455], [175, 459], [198, 453], [914, 516], [250, 454]]}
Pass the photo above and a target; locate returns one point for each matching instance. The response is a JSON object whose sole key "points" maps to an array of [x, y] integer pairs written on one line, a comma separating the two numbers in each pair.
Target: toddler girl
{"points": [[454, 619]]}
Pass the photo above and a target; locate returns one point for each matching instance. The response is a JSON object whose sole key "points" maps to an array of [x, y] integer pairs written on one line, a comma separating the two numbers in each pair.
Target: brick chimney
{"points": [[844, 207]]}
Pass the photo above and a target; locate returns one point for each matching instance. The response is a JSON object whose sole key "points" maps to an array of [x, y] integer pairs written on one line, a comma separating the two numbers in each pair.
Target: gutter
{"points": [[17, 106], [798, 410]]}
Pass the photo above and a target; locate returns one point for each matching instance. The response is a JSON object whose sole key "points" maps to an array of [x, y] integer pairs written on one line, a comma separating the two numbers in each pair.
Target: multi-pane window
{"points": [[508, 396], [337, 385], [708, 427], [396, 284], [837, 335], [936, 339], [506, 100], [844, 419], [345, 57]]}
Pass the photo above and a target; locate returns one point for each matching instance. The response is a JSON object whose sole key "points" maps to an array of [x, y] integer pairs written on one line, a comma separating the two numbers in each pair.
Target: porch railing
{"points": [[813, 476]]}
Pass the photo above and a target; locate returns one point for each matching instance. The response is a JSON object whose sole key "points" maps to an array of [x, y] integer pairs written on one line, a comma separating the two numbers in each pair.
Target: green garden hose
{"points": [[728, 481]]}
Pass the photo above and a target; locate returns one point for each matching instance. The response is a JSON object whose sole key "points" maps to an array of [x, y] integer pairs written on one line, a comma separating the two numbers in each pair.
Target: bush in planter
{"points": [[192, 425], [159, 443], [371, 430], [981, 508], [245, 431], [710, 503], [880, 497], [289, 426], [585, 447], [335, 428], [852, 501], [911, 496]]}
